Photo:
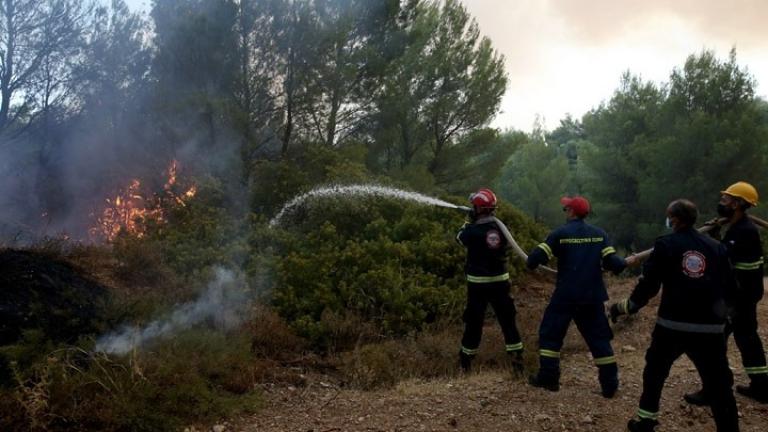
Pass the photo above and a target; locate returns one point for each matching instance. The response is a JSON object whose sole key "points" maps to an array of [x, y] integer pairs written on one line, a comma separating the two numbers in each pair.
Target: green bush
{"points": [[203, 233], [390, 264], [198, 377]]}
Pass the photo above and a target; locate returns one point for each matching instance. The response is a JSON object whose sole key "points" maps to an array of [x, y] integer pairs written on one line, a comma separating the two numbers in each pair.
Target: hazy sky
{"points": [[566, 56]]}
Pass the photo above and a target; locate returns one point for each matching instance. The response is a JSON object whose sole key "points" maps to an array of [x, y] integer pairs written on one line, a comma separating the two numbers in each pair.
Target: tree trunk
{"points": [[7, 75]]}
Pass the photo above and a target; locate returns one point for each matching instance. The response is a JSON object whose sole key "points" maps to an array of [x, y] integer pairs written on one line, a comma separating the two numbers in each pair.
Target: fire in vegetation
{"points": [[133, 209]]}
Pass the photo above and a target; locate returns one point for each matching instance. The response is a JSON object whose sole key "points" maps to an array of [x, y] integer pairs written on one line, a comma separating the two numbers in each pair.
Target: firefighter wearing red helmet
{"points": [[582, 251], [487, 280]]}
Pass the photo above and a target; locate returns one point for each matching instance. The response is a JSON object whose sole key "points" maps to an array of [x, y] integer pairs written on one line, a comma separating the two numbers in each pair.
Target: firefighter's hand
{"points": [[623, 307], [632, 260]]}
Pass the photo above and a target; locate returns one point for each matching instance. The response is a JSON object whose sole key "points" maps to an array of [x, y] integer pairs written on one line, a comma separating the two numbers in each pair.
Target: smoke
{"points": [[224, 303], [59, 166], [739, 21]]}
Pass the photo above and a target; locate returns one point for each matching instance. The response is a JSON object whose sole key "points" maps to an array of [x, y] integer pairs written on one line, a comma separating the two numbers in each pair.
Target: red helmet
{"points": [[483, 199], [578, 204]]}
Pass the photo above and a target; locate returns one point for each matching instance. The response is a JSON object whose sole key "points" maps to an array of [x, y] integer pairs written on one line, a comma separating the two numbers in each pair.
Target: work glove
{"points": [[623, 307]]}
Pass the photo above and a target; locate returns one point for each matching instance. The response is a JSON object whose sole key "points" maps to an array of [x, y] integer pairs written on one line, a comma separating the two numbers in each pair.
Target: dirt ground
{"points": [[492, 399]]}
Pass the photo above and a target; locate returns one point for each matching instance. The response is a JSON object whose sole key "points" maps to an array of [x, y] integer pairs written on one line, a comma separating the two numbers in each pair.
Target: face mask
{"points": [[725, 211], [668, 224]]}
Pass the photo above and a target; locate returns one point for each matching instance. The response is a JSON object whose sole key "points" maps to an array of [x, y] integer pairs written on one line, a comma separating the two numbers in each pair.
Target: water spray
{"points": [[389, 192], [361, 190]]}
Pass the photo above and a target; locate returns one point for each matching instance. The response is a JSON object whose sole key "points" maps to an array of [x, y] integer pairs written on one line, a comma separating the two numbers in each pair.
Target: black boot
{"points": [[465, 361], [642, 425], [609, 379], [609, 391], [756, 392], [537, 381], [697, 398]]}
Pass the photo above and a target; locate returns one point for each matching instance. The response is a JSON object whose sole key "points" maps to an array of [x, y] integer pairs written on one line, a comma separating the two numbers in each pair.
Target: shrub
{"points": [[394, 265], [200, 376]]}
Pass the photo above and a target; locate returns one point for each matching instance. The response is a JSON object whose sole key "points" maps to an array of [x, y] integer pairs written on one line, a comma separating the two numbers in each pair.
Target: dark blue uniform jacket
{"points": [[486, 251], [742, 240], [582, 251], [697, 280]]}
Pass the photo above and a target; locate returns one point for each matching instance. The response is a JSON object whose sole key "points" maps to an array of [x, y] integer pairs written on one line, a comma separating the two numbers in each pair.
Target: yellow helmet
{"points": [[742, 190]]}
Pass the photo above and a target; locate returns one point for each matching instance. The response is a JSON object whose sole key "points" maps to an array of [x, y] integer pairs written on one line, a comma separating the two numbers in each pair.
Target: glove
{"points": [[620, 308]]}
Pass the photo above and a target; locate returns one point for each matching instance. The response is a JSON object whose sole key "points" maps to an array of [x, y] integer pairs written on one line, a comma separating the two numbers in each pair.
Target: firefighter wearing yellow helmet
{"points": [[742, 240]]}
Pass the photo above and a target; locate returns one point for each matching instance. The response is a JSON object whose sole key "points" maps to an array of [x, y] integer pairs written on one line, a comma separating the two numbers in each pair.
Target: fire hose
{"points": [[638, 257], [511, 240], [702, 229]]}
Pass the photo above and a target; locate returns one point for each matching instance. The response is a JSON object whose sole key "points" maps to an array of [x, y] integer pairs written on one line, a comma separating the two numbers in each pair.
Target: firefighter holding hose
{"points": [[696, 278], [742, 241], [487, 280], [582, 251]]}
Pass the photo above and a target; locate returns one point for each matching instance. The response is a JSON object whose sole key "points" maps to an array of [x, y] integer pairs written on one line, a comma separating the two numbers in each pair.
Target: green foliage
{"points": [[475, 161], [200, 234], [392, 265], [199, 376], [534, 179], [614, 156], [447, 83], [275, 183], [649, 145]]}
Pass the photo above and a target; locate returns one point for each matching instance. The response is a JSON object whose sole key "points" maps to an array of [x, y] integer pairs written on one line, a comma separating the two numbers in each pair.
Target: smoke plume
{"points": [[223, 303]]}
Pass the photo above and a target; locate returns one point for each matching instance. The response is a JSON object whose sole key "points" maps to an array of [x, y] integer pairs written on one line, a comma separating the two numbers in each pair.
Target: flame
{"points": [[131, 210]]}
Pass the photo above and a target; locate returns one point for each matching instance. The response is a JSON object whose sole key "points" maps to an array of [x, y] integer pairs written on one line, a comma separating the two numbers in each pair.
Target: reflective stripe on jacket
{"points": [[582, 251], [486, 251]]}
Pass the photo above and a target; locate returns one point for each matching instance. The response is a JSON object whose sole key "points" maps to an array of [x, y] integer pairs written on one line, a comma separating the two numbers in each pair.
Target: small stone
{"points": [[219, 428], [587, 420], [628, 348], [542, 418]]}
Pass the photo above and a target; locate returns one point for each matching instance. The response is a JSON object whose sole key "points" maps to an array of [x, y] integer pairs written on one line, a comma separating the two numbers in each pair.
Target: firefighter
{"points": [[696, 277], [582, 251], [487, 280], [742, 240]]}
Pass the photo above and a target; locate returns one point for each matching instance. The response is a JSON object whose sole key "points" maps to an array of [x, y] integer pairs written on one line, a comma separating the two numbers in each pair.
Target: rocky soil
{"points": [[492, 399]]}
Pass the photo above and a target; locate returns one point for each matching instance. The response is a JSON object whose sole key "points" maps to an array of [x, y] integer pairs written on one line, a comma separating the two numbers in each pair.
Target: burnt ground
{"points": [[492, 399]]}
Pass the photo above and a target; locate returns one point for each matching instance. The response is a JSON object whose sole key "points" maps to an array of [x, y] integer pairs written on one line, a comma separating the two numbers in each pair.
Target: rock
{"points": [[219, 428], [542, 418], [628, 348], [587, 420]]}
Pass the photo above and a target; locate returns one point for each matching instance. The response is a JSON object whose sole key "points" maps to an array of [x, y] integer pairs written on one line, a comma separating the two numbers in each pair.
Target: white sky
{"points": [[566, 56]]}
